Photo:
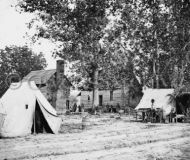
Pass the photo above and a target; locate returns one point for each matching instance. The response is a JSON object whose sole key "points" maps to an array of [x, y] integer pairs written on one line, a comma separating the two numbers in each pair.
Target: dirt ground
{"points": [[104, 138]]}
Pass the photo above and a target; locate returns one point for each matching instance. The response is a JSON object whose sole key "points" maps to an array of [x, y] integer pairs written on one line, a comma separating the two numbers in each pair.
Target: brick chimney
{"points": [[60, 97], [60, 70]]}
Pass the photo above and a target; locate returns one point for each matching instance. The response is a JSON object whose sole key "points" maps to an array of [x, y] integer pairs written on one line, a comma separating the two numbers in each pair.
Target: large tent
{"points": [[24, 110], [2, 114], [161, 100]]}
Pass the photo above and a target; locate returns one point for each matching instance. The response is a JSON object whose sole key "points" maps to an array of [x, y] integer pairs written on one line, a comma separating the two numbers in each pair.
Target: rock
{"points": [[85, 122], [121, 111]]}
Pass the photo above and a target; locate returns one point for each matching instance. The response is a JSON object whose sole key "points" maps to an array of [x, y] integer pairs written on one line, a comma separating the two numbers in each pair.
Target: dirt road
{"points": [[106, 139]]}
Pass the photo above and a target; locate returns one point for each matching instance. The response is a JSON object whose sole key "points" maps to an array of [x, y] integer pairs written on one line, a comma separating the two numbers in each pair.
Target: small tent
{"points": [[161, 100], [27, 111], [75, 97]]}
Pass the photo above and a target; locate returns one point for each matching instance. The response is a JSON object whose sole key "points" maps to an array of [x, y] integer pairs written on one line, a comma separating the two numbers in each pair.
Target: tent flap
{"points": [[53, 121]]}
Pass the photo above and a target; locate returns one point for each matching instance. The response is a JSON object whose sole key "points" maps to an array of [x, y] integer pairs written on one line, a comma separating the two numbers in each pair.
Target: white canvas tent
{"points": [[161, 100], [75, 97], [26, 110], [2, 115]]}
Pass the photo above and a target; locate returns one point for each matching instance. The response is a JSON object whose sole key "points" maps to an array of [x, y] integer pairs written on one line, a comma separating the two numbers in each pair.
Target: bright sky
{"points": [[13, 29]]}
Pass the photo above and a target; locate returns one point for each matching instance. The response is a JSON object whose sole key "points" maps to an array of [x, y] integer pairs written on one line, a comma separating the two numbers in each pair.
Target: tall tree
{"points": [[159, 32], [180, 43], [82, 28], [16, 62]]}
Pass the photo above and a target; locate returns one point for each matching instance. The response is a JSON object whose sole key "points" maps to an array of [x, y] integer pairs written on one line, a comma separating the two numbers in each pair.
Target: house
{"points": [[125, 95], [106, 97], [54, 85]]}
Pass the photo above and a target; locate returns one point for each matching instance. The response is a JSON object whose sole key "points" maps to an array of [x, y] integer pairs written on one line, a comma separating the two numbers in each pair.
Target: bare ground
{"points": [[105, 139]]}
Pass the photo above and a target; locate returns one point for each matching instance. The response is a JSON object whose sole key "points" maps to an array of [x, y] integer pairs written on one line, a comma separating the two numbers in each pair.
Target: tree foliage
{"points": [[85, 31], [149, 38], [16, 62], [159, 32]]}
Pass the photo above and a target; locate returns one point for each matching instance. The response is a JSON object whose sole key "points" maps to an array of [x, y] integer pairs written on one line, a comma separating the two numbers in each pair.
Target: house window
{"points": [[111, 95], [88, 98], [100, 100]]}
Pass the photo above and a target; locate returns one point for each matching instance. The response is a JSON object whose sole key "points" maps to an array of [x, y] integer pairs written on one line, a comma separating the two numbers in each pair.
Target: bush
{"points": [[67, 112]]}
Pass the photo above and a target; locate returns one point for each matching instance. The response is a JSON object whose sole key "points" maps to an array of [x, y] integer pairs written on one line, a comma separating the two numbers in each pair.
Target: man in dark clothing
{"points": [[74, 107]]}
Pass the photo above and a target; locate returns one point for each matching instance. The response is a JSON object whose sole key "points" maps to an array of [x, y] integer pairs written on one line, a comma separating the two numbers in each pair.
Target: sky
{"points": [[13, 28]]}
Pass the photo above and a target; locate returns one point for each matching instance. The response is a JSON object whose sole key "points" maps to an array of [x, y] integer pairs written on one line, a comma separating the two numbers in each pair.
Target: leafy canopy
{"points": [[85, 31], [18, 62]]}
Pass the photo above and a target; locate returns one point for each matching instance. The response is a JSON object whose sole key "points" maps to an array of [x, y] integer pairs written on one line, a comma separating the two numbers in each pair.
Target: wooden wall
{"points": [[57, 96], [63, 94], [117, 97]]}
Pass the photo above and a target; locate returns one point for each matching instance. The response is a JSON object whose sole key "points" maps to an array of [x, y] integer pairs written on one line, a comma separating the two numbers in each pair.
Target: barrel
{"points": [[85, 122]]}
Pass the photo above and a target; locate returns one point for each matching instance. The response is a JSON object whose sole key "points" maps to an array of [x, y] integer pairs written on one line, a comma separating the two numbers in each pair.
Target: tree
{"points": [[159, 32], [82, 28], [16, 62], [153, 32], [148, 24], [180, 44]]}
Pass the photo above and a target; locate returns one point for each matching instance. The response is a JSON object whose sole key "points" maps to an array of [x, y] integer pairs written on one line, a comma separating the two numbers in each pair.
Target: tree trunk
{"points": [[158, 65], [182, 70], [95, 89], [154, 72], [123, 94], [158, 71]]}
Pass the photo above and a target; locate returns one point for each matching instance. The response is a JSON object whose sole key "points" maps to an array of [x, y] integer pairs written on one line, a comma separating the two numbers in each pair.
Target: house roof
{"points": [[75, 93], [40, 76]]}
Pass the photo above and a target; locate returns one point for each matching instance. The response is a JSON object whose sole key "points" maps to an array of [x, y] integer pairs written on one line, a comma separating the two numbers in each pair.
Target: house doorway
{"points": [[100, 100]]}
